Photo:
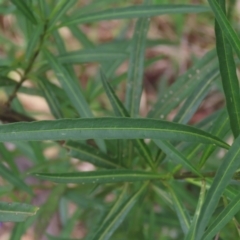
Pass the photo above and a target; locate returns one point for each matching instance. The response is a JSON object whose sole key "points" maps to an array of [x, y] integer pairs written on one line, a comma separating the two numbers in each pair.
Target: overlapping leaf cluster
{"points": [[176, 182]]}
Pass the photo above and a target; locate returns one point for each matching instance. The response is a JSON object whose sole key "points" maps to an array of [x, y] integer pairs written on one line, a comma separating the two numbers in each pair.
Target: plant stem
{"points": [[29, 67]]}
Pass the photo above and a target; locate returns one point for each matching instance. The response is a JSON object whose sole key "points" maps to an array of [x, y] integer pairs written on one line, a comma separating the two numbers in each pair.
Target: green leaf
{"points": [[33, 41], [229, 191], [47, 210], [120, 111], [21, 227], [71, 222], [105, 128], [90, 154], [116, 206], [221, 180], [7, 9], [225, 26], [135, 12], [72, 90], [136, 67], [9, 158], [61, 47], [223, 218], [6, 189], [229, 76], [25, 10], [51, 97], [59, 10], [202, 71], [109, 226], [6, 81], [176, 155], [98, 177], [220, 129], [14, 180], [50, 237], [44, 8], [163, 195], [180, 210], [117, 105], [192, 230], [16, 212], [192, 103], [83, 39], [91, 55]]}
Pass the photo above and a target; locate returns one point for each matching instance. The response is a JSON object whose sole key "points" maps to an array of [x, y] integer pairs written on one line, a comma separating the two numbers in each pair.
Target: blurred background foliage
{"points": [[174, 45]]}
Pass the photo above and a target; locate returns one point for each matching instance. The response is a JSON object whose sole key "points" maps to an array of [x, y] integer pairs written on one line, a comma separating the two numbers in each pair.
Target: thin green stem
{"points": [[29, 67]]}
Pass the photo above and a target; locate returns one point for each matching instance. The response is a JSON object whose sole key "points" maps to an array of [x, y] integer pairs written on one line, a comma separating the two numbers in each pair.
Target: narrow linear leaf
{"points": [[163, 195], [221, 180], [83, 39], [117, 105], [51, 98], [181, 211], [116, 206], [7, 9], [223, 218], [6, 189], [20, 228], [229, 192], [220, 128], [225, 26], [98, 177], [71, 222], [60, 45], [6, 81], [33, 41], [192, 230], [120, 111], [44, 8], [60, 9], [192, 103], [90, 154], [9, 158], [176, 155], [16, 212], [136, 67], [72, 90], [14, 180], [136, 12], [202, 71], [112, 211], [91, 55], [229, 76], [47, 210], [105, 128], [50, 237], [25, 10], [108, 228]]}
